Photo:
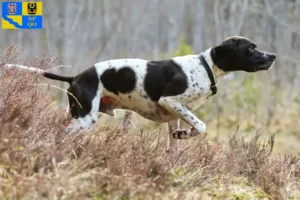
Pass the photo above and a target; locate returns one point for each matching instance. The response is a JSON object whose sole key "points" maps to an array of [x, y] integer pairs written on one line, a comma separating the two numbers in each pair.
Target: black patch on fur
{"points": [[84, 87], [164, 78], [122, 81]]}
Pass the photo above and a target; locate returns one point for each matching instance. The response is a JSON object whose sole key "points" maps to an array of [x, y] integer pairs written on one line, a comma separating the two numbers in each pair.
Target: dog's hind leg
{"points": [[172, 126], [95, 108], [89, 108]]}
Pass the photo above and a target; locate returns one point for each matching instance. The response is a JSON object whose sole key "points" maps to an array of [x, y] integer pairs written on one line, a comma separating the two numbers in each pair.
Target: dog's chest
{"points": [[197, 102], [198, 89]]}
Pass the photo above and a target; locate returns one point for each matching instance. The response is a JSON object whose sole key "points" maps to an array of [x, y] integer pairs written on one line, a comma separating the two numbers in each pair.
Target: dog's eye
{"points": [[252, 47]]}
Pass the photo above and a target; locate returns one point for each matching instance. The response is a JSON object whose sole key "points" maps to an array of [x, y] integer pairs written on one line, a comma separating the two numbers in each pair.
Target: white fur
{"points": [[272, 65]]}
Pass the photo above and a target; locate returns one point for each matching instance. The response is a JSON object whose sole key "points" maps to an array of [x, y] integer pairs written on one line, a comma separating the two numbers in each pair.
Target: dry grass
{"points": [[35, 163]]}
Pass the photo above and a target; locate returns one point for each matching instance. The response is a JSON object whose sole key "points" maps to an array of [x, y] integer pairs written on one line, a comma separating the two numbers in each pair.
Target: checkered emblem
{"points": [[12, 8]]}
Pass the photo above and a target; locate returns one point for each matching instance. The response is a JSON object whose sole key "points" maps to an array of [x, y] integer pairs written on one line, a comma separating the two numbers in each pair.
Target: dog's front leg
{"points": [[179, 110]]}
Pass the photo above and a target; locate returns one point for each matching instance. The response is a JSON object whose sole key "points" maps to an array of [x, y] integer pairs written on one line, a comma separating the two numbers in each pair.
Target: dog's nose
{"points": [[272, 56]]}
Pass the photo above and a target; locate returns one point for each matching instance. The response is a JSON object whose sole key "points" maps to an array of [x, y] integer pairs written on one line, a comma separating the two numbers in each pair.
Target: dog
{"points": [[162, 91]]}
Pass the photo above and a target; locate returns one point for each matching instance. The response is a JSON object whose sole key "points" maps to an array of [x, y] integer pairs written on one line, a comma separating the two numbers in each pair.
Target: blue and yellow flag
{"points": [[22, 15]]}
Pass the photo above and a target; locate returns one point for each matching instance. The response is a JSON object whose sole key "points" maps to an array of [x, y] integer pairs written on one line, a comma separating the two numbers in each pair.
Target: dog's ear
{"points": [[226, 48], [222, 55]]}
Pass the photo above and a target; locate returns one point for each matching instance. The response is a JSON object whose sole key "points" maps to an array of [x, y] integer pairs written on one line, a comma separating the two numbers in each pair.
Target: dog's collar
{"points": [[213, 86]]}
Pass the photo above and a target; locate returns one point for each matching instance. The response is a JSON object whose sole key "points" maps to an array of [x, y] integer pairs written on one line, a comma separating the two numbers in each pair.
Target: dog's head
{"points": [[241, 54]]}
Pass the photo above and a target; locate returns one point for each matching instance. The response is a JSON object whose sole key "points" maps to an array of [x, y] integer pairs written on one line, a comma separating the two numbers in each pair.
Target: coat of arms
{"points": [[31, 8], [12, 8]]}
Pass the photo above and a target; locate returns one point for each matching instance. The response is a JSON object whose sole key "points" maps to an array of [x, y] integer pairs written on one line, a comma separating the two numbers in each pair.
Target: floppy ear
{"points": [[222, 54]]}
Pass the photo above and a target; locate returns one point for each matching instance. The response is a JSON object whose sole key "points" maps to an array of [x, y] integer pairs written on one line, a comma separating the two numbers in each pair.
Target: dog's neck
{"points": [[217, 72]]}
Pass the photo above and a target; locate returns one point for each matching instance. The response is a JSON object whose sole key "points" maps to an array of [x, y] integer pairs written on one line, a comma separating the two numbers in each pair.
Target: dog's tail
{"points": [[49, 75], [52, 76]]}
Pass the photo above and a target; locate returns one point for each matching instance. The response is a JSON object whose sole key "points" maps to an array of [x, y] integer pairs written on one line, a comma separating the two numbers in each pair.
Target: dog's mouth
{"points": [[262, 67], [264, 64]]}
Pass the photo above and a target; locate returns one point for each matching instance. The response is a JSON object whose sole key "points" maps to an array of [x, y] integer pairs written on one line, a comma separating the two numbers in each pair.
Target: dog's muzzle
{"points": [[271, 58]]}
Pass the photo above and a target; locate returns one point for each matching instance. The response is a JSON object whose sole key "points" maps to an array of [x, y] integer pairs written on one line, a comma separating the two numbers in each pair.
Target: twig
{"points": [[54, 86]]}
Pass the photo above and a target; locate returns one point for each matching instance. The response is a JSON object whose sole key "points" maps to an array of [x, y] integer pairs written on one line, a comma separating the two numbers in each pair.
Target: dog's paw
{"points": [[181, 134], [185, 133]]}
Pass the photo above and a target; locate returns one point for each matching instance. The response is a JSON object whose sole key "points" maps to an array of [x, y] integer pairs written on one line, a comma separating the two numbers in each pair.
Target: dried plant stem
{"points": [[54, 86]]}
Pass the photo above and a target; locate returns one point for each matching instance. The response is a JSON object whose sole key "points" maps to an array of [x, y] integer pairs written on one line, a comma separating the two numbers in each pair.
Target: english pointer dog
{"points": [[162, 91]]}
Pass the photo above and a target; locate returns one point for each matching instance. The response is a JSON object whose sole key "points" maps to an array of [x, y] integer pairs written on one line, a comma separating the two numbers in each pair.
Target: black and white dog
{"points": [[162, 91]]}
